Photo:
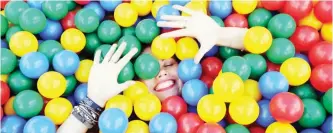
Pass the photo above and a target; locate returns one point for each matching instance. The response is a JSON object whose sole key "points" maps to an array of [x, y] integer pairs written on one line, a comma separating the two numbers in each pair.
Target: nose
{"points": [[162, 73]]}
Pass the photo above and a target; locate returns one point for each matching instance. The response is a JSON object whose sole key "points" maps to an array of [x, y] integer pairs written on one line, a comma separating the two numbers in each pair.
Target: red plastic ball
{"points": [[257, 129], [174, 105], [304, 38], [165, 30], [286, 107], [210, 128], [3, 3], [272, 67], [297, 8], [1, 112], [68, 21], [228, 118], [207, 80], [273, 4], [5, 93], [189, 123], [321, 53], [82, 2], [236, 20], [211, 66], [321, 77], [323, 11]]}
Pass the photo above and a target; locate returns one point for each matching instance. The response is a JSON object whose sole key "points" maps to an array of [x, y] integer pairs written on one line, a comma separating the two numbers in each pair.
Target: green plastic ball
{"points": [[218, 20], [14, 9], [146, 66], [28, 103], [304, 91], [314, 114], [70, 86], [4, 25], [128, 31], [108, 31], [8, 61], [70, 4], [104, 48], [282, 26], [327, 101], [131, 42], [11, 31], [32, 20], [55, 10], [50, 48], [18, 82], [236, 128], [146, 30], [237, 65], [211, 91], [226, 52], [86, 20], [257, 63], [259, 17], [127, 73], [92, 43], [280, 50]]}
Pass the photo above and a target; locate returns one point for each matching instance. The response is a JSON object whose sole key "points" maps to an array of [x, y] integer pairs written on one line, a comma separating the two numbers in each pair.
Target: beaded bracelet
{"points": [[87, 112]]}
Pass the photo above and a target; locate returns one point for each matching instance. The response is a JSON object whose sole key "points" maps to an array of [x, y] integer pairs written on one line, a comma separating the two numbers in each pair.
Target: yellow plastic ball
{"points": [[82, 73], [187, 48], [314, 2], [157, 5], [296, 70], [228, 86], [244, 6], [244, 110], [3, 13], [202, 2], [135, 91], [311, 20], [51, 84], [251, 88], [120, 102], [195, 6], [23, 42], [58, 109], [137, 126], [8, 108], [143, 7], [125, 15], [73, 39], [257, 40], [278, 127], [147, 106], [4, 78], [211, 109], [326, 32], [163, 48]]}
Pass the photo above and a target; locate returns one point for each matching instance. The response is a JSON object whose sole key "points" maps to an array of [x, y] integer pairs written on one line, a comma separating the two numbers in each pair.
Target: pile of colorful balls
{"points": [[280, 83]]}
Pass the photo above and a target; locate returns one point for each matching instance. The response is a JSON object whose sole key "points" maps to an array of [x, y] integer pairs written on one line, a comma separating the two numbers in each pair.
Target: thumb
{"points": [[126, 84], [205, 47]]}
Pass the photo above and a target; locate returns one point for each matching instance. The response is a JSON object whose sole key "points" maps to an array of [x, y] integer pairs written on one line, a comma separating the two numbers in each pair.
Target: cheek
{"points": [[173, 71], [150, 84]]}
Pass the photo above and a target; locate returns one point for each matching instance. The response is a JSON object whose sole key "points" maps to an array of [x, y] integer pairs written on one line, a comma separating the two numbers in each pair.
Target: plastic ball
{"points": [[244, 7], [8, 108], [92, 43], [4, 25], [186, 48], [311, 20], [237, 65], [82, 2], [166, 10], [156, 6], [82, 73], [125, 15], [257, 40], [147, 106], [244, 110], [146, 66], [135, 91], [55, 10], [73, 39], [311, 130], [14, 9], [12, 124], [320, 53], [131, 42], [8, 61], [3, 44], [28, 103], [304, 91], [211, 66], [23, 42], [137, 126], [227, 52], [35, 4], [174, 105], [229, 86], [86, 20], [163, 122], [121, 102], [188, 70], [304, 38], [143, 7], [265, 118], [80, 93], [163, 48], [108, 31], [110, 5], [104, 49], [33, 65], [272, 83], [321, 77], [222, 9], [51, 84], [296, 70], [11, 31], [128, 31], [66, 62], [326, 127], [146, 30], [97, 9], [5, 93], [196, 6], [236, 20], [314, 114], [326, 32], [112, 120], [257, 63], [52, 31], [210, 128], [70, 85], [32, 20], [273, 5], [71, 5], [323, 11], [193, 90], [39, 124], [68, 21], [279, 31], [327, 101], [180, 2], [49, 48], [280, 50], [212, 51], [189, 123], [297, 9], [259, 17], [272, 67], [251, 89], [256, 129], [210, 109], [127, 73], [278, 127], [58, 109], [236, 128]]}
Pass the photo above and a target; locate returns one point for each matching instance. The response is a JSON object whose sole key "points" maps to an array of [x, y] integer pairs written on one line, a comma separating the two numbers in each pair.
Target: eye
{"points": [[168, 64]]}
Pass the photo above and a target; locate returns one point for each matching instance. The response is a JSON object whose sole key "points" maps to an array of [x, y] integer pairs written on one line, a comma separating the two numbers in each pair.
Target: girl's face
{"points": [[166, 83]]}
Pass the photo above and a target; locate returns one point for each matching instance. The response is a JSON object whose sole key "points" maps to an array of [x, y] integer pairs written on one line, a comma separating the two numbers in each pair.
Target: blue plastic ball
{"points": [[40, 42], [71, 99], [272, 83], [110, 5], [33, 64], [39, 124], [35, 4], [304, 57], [188, 70], [4, 44], [166, 10], [222, 123], [12, 124], [52, 30], [97, 8], [80, 93], [327, 126], [66, 62], [265, 118], [163, 123], [311, 130], [113, 120], [220, 8], [192, 109], [212, 51], [179, 2], [193, 90]]}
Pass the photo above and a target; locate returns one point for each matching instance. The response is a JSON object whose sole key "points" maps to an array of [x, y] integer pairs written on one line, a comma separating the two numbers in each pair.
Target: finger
{"points": [[97, 57], [205, 47], [125, 85], [184, 9], [118, 53], [175, 24], [122, 62], [176, 33], [174, 18], [109, 54]]}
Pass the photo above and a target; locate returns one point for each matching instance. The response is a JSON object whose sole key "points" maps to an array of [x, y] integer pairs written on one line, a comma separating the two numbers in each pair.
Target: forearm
{"points": [[72, 125], [231, 37]]}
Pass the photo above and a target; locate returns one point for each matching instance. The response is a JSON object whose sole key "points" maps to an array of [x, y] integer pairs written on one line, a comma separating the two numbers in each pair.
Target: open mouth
{"points": [[165, 85]]}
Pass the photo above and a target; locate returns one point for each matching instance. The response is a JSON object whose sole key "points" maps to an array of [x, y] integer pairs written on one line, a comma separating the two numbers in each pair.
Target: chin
{"points": [[168, 89]]}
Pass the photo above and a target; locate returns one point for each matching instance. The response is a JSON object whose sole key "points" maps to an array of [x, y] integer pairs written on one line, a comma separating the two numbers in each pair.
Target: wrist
{"points": [[99, 101], [231, 37]]}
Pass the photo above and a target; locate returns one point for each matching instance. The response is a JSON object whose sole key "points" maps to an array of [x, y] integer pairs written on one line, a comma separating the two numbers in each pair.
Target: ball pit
{"points": [[281, 81]]}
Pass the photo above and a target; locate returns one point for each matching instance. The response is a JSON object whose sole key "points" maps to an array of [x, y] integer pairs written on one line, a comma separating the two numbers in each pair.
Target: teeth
{"points": [[165, 84]]}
